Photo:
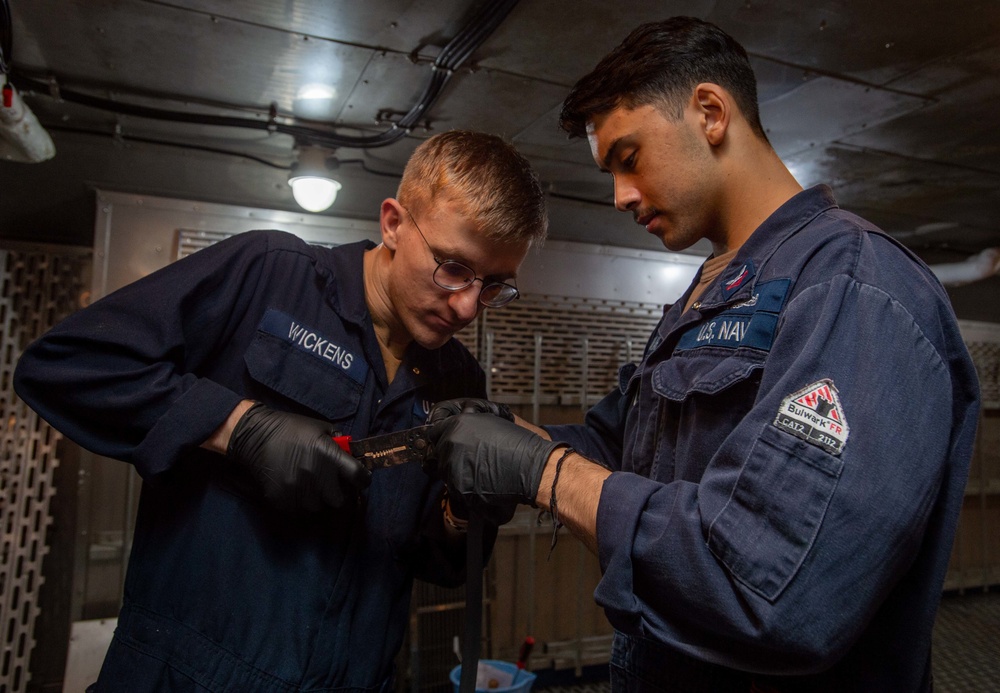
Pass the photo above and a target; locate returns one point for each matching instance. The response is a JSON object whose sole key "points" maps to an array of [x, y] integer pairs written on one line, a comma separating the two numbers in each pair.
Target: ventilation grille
{"points": [[574, 345], [986, 356], [38, 290], [437, 616], [189, 241]]}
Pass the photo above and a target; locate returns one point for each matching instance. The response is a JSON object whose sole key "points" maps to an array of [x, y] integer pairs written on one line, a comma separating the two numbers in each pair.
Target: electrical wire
{"points": [[168, 143], [271, 164], [213, 150], [6, 37], [452, 56]]}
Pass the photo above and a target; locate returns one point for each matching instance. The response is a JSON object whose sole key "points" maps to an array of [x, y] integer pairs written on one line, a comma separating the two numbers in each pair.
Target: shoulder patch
{"points": [[815, 415], [736, 280]]}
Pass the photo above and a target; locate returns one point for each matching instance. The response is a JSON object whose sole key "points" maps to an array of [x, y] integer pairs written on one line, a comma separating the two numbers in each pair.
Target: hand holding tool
{"points": [[451, 407], [490, 461], [294, 460]]}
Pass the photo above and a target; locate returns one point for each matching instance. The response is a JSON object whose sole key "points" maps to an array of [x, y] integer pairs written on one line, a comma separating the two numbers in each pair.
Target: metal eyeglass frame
{"points": [[506, 293]]}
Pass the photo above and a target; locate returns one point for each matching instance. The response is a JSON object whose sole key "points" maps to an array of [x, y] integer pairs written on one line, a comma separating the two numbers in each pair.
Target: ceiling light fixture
{"points": [[312, 186], [315, 101], [316, 91]]}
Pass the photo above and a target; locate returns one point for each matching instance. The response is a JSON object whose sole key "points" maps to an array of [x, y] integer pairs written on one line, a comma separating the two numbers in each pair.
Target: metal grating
{"points": [[437, 616], [189, 241], [964, 648], [986, 356], [37, 289], [569, 348]]}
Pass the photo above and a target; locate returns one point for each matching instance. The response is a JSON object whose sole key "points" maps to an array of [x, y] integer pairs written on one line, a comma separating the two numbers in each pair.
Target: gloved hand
{"points": [[496, 514], [489, 461], [295, 460], [449, 407]]}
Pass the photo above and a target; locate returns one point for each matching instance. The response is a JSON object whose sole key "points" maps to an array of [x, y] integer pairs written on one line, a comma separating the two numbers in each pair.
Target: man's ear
{"points": [[390, 218], [715, 108]]}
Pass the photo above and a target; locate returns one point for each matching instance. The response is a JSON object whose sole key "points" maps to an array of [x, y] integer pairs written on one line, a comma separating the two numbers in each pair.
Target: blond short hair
{"points": [[493, 184]]}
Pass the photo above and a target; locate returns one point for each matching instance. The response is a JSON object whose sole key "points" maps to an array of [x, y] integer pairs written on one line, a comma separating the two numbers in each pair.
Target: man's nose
{"points": [[626, 195], [465, 304]]}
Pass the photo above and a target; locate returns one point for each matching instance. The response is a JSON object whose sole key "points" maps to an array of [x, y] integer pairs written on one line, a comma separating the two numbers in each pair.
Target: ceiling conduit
{"points": [[452, 56], [982, 265], [22, 137]]}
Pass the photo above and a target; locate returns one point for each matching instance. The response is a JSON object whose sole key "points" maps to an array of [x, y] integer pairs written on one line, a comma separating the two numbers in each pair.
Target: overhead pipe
{"points": [[982, 265], [22, 137], [452, 56]]}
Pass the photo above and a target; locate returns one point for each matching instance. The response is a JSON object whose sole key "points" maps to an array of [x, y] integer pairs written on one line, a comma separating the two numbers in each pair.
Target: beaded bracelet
{"points": [[456, 523], [553, 506]]}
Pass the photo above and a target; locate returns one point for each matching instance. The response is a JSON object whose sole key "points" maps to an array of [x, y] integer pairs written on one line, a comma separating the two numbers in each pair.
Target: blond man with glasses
{"points": [[265, 557]]}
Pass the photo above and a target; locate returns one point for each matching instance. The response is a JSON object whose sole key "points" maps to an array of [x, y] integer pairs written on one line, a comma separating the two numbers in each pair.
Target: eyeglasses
{"points": [[454, 276]]}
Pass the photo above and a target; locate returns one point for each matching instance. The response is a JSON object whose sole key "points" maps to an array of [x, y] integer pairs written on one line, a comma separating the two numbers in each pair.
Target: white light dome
{"points": [[314, 193]]}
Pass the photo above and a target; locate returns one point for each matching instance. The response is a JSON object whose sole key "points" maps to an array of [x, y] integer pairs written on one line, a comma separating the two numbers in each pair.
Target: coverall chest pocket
{"points": [[302, 380], [700, 399]]}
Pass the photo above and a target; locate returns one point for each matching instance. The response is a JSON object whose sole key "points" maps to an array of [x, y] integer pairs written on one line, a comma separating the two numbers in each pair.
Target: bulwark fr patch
{"points": [[815, 415]]}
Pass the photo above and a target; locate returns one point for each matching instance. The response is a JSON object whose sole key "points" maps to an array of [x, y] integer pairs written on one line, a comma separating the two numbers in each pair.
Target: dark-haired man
{"points": [[780, 476], [265, 558]]}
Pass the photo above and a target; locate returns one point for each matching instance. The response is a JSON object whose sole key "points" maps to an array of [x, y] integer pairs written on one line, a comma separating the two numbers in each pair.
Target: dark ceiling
{"points": [[893, 103]]}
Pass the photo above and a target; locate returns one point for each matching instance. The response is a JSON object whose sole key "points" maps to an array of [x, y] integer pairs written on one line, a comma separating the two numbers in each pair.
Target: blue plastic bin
{"points": [[522, 684]]}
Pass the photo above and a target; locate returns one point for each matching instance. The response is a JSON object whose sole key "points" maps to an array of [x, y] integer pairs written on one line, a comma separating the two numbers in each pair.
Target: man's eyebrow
{"points": [[445, 257], [612, 150], [456, 257]]}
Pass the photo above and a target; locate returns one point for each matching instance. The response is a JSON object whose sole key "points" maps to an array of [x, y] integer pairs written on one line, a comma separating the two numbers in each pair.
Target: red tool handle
{"points": [[344, 442], [522, 657]]}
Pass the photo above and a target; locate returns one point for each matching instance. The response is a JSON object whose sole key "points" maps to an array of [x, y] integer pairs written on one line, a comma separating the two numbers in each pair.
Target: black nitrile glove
{"points": [[450, 407], [496, 514], [295, 460], [488, 461]]}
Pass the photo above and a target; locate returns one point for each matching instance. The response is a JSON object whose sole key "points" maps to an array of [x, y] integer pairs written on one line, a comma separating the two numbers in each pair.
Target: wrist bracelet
{"points": [[553, 506], [457, 524]]}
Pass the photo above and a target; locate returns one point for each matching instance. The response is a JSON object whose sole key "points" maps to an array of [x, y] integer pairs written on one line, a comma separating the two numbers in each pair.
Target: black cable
{"points": [[472, 35], [456, 52], [491, 19], [6, 37], [29, 84], [452, 56], [167, 143], [336, 162], [213, 150]]}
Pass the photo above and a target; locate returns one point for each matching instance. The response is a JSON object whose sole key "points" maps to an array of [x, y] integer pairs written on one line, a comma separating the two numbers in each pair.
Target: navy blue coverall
{"points": [[789, 460], [224, 593]]}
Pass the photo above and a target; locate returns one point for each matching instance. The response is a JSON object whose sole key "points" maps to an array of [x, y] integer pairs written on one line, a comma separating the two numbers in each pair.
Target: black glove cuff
{"points": [[545, 448], [243, 422], [504, 412]]}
